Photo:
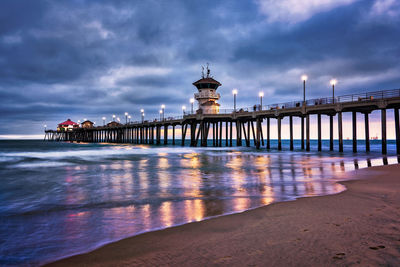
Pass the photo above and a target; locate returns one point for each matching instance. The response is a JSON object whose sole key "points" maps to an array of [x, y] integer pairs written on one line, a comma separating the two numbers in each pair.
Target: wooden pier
{"points": [[247, 124]]}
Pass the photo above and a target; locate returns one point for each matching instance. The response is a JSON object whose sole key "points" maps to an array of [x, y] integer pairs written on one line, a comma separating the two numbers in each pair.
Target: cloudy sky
{"points": [[88, 59]]}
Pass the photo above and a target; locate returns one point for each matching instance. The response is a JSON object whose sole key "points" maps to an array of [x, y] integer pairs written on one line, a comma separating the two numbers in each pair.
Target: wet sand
{"points": [[358, 226]]}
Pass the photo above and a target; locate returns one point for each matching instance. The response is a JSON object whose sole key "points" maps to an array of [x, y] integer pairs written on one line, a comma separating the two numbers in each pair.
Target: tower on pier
{"points": [[207, 96]]}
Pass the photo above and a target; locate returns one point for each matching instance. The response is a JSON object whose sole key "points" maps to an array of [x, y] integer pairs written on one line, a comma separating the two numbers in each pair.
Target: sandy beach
{"points": [[359, 226]]}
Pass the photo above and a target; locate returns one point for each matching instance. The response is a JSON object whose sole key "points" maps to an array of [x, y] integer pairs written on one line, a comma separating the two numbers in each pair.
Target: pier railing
{"points": [[322, 101], [369, 96], [293, 104]]}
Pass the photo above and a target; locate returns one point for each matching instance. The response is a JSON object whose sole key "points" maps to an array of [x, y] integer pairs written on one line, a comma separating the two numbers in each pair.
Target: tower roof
{"points": [[207, 80]]}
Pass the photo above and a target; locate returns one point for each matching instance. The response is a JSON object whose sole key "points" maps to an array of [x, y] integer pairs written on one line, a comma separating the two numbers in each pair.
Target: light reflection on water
{"points": [[105, 193]]}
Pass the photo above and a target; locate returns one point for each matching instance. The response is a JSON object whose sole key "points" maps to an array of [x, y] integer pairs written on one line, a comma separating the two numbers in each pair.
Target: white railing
{"points": [[207, 95]]}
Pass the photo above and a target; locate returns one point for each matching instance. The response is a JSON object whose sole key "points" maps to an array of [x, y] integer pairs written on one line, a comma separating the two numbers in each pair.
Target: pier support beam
{"points": [[220, 134], [213, 134], [254, 133], [268, 134], [158, 134], [383, 125], [302, 132], [279, 133], [261, 132], [165, 134], [291, 132], [331, 132], [230, 136], [245, 135], [226, 134], [258, 135], [396, 125], [319, 132], [173, 134], [366, 125], [340, 130], [308, 132], [193, 127], [199, 132], [354, 120], [238, 133]]}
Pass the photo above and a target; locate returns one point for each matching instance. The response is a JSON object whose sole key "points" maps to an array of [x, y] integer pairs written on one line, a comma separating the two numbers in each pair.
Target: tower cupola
{"points": [[207, 96]]}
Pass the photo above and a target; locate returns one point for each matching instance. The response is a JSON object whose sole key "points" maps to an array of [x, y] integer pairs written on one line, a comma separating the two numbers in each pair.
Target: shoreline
{"points": [[356, 226]]}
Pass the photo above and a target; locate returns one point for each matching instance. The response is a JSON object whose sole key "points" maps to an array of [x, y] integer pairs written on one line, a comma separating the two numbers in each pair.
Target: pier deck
{"points": [[247, 124]]}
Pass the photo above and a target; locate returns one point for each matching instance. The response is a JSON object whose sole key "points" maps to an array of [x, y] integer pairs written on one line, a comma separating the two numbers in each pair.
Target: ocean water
{"points": [[59, 199]]}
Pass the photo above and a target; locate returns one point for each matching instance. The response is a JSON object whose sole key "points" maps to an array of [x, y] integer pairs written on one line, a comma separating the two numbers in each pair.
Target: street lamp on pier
{"points": [[163, 110], [118, 119], [126, 117], [183, 110], [129, 117], [333, 83], [142, 111], [161, 114], [261, 95], [191, 102], [234, 92], [45, 127], [104, 121], [304, 79], [113, 116]]}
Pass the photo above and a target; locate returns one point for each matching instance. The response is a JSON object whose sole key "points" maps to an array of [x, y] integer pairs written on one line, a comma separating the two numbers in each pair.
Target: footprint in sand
{"points": [[339, 256], [305, 230], [223, 259], [377, 247]]}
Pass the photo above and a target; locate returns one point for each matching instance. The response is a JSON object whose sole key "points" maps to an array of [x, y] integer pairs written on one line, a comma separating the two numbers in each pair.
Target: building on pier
{"points": [[87, 124], [207, 96], [113, 124], [67, 125]]}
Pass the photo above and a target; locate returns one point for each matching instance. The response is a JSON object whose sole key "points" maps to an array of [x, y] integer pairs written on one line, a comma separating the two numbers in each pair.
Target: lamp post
{"points": [[191, 102], [304, 79], [234, 92], [183, 110], [142, 111], [261, 95], [118, 119], [161, 113], [104, 121], [45, 127], [163, 110], [113, 117], [333, 83], [126, 117], [129, 117]]}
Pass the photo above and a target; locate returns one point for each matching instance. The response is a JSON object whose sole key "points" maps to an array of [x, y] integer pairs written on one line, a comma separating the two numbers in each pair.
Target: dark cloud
{"points": [[75, 59]]}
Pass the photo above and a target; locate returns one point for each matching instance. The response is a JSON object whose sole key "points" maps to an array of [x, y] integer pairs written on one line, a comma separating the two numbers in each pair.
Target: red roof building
{"points": [[67, 125]]}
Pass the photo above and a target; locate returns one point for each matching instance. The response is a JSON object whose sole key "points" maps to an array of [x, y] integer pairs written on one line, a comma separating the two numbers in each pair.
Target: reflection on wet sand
{"points": [[166, 190]]}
